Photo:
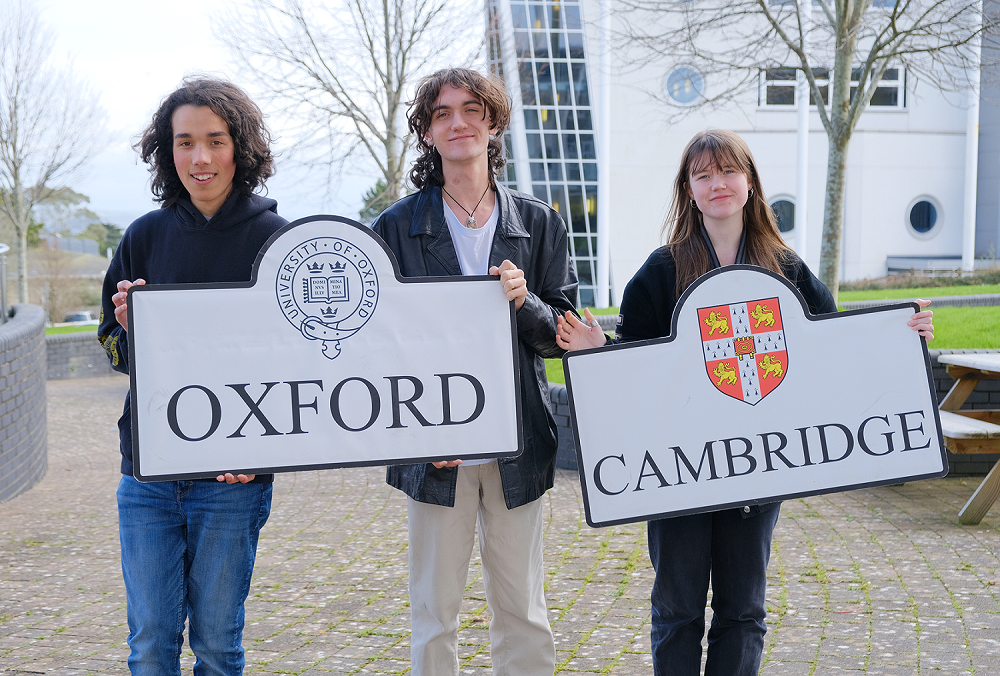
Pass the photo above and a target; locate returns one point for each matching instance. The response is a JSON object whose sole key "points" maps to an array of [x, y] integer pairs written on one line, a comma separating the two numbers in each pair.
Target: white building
{"points": [[905, 197]]}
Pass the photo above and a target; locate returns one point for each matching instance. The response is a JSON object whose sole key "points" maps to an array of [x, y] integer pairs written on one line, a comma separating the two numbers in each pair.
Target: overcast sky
{"points": [[133, 53]]}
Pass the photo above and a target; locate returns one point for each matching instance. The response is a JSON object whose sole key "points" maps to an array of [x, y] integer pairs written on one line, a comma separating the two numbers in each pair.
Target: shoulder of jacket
{"points": [[529, 202], [657, 271], [156, 218], [271, 219], [660, 257], [792, 265], [399, 211]]}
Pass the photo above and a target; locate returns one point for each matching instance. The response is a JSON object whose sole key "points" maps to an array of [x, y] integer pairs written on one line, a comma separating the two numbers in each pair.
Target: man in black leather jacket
{"points": [[462, 222]]}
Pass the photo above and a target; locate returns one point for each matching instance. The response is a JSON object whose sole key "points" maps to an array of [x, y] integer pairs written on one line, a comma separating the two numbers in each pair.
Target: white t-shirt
{"points": [[473, 249], [472, 245]]}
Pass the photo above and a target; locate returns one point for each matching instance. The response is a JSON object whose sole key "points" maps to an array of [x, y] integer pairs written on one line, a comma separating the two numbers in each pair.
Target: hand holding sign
{"points": [[922, 322], [512, 281], [120, 298]]}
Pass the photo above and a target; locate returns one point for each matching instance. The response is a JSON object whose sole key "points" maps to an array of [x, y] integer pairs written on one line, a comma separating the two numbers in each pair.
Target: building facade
{"points": [[905, 199], [541, 49]]}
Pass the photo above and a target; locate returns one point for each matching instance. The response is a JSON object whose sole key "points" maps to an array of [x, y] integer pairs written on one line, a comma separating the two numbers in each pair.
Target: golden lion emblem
{"points": [[762, 315], [718, 321], [725, 373], [770, 366]]}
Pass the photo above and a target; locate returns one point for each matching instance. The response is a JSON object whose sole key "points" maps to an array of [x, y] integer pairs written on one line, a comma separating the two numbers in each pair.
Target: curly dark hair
{"points": [[488, 89], [251, 138]]}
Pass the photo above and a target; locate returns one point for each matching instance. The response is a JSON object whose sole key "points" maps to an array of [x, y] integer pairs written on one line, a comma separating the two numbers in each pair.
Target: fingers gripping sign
{"points": [[922, 322], [229, 478], [120, 300], [447, 463], [514, 284]]}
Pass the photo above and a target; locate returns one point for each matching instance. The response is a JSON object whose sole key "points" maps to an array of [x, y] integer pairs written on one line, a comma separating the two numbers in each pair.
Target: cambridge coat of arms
{"points": [[744, 348]]}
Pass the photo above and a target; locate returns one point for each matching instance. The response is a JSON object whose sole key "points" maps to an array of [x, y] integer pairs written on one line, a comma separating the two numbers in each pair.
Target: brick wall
{"points": [[566, 453], [986, 395], [76, 355], [23, 449]]}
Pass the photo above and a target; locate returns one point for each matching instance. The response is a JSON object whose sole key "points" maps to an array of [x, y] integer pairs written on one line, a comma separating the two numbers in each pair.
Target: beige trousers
{"points": [[510, 543]]}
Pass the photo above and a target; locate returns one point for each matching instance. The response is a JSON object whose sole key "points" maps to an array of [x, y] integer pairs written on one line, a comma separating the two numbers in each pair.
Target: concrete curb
{"points": [[978, 300]]}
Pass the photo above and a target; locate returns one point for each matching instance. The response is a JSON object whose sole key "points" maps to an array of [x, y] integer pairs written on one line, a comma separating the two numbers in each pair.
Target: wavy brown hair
{"points": [[764, 244], [427, 168], [251, 138]]}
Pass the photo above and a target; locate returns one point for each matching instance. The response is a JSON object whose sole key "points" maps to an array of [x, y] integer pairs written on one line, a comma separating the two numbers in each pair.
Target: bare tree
{"points": [[340, 73], [50, 124], [935, 40], [59, 285]]}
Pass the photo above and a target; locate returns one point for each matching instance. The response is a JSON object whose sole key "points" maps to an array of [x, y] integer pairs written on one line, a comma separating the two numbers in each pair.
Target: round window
{"points": [[923, 216], [784, 211], [685, 84]]}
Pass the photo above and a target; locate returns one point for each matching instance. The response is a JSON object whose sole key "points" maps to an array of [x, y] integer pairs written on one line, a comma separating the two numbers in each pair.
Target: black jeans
{"points": [[686, 551]]}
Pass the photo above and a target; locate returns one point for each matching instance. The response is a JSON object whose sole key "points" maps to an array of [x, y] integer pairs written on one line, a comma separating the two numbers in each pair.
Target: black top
{"points": [[650, 297], [178, 245]]}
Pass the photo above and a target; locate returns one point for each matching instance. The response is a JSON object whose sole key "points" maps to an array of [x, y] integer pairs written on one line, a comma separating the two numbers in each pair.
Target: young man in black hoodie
{"points": [[188, 547]]}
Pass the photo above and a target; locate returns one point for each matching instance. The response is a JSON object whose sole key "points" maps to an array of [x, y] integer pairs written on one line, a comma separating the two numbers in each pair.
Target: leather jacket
{"points": [[533, 236]]}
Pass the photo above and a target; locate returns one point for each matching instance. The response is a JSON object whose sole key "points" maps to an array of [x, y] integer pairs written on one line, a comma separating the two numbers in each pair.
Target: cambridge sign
{"points": [[752, 400]]}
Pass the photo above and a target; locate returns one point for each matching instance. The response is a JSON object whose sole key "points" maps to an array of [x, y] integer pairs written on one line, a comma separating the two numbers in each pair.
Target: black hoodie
{"points": [[178, 245]]}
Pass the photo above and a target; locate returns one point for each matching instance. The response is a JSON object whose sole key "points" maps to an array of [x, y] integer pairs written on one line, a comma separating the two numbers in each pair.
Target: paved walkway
{"points": [[877, 581]]}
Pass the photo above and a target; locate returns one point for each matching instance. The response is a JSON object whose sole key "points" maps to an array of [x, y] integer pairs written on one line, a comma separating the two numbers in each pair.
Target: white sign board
{"points": [[326, 358], [751, 400]]}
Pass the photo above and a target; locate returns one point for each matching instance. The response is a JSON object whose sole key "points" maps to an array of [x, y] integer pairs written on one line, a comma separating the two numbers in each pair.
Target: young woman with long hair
{"points": [[718, 216]]}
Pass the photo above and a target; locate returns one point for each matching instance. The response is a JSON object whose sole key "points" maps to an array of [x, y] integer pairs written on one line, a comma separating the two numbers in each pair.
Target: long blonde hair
{"points": [[764, 245]]}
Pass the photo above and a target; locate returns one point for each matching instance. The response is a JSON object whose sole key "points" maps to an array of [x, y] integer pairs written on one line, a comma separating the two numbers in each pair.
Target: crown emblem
{"points": [[336, 266], [328, 312], [315, 267]]}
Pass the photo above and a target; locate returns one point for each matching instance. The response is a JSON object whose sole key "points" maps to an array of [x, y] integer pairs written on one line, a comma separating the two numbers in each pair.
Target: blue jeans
{"points": [[686, 551], [188, 549]]}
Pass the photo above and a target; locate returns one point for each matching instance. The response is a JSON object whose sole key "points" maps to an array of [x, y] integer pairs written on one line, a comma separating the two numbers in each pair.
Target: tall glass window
{"points": [[550, 50]]}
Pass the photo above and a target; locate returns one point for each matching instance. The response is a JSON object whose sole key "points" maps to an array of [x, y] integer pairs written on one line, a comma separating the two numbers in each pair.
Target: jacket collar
{"points": [[428, 220]]}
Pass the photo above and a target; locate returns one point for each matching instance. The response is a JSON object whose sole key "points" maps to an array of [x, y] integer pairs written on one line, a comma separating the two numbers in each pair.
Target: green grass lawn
{"points": [[554, 371], [966, 327], [954, 327], [54, 330]]}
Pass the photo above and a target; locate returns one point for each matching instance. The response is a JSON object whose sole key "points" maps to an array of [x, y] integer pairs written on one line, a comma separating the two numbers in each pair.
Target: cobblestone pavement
{"points": [[877, 581]]}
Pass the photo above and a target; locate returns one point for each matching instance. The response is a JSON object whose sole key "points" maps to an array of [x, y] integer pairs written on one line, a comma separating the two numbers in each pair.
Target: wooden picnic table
{"points": [[972, 430]]}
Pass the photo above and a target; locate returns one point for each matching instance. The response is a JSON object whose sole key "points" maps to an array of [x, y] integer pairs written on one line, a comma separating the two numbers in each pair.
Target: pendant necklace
{"points": [[470, 222]]}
